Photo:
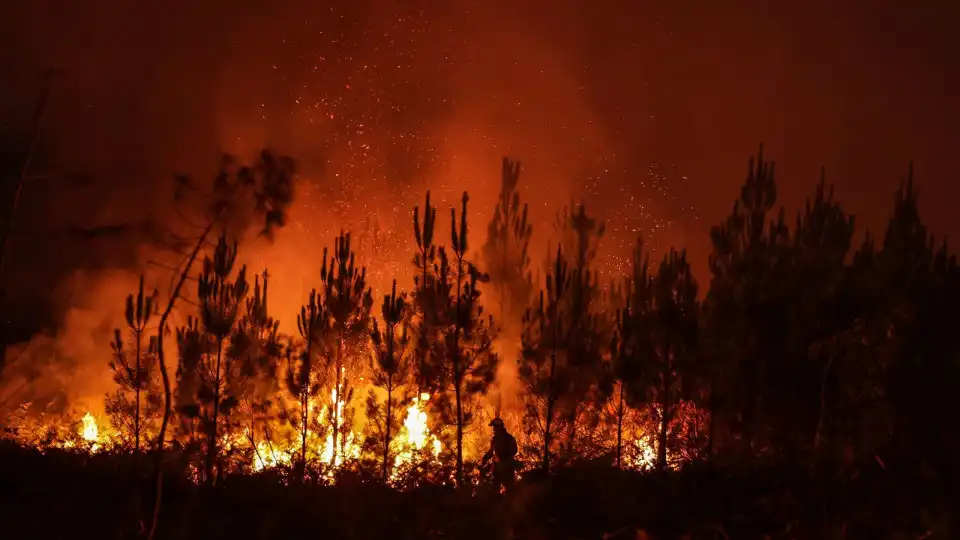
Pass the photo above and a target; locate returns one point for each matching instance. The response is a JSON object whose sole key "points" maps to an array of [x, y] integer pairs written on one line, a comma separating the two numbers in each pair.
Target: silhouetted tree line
{"points": [[812, 346], [804, 346]]}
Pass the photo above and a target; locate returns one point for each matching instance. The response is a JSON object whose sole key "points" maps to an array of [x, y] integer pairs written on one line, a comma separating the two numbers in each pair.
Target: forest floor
{"points": [[67, 495]]}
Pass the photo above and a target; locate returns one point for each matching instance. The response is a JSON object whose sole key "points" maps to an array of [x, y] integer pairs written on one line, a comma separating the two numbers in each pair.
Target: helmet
{"points": [[496, 422]]}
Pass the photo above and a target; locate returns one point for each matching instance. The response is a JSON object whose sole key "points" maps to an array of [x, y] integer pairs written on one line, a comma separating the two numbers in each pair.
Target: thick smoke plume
{"points": [[377, 102]]}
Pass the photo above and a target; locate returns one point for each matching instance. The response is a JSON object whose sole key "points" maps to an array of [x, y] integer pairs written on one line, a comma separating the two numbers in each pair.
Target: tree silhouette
{"points": [[136, 376], [821, 242], [746, 303], [347, 300], [305, 376], [204, 368], [508, 240], [256, 349], [631, 347], [668, 375], [921, 282], [463, 361], [588, 328], [390, 361], [269, 184], [425, 303], [544, 359]]}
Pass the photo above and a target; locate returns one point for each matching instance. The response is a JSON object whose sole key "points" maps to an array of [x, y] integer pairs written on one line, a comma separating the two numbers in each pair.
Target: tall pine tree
{"points": [[746, 303], [137, 376], [545, 357], [256, 350], [348, 301], [668, 377], [390, 357], [630, 349], [305, 376], [463, 360], [205, 372], [821, 241], [508, 240], [425, 303]]}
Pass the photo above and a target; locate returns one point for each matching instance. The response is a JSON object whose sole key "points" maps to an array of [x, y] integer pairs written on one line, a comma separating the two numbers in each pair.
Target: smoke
{"points": [[377, 101]]}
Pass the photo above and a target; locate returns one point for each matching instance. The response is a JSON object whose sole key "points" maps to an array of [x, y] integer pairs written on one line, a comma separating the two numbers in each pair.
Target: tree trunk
{"points": [[305, 404], [620, 429], [662, 437], [161, 358], [136, 418], [711, 429], [458, 371], [212, 438], [548, 424], [666, 381], [336, 401], [459, 433], [305, 423], [423, 287], [822, 407], [386, 437]]}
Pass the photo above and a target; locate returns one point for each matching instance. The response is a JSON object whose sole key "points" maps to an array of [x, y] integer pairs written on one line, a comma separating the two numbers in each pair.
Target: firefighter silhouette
{"points": [[503, 451]]}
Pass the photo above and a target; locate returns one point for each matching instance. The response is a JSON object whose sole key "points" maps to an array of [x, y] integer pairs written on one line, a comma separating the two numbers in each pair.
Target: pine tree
{"points": [[746, 303], [136, 376], [305, 376], [631, 345], [463, 360], [588, 337], [256, 349], [544, 360], [206, 368], [920, 278], [268, 183], [821, 241], [668, 376], [348, 301], [425, 304], [508, 240], [390, 357]]}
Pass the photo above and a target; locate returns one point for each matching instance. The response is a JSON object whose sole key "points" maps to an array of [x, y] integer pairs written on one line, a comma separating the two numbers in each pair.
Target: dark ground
{"points": [[69, 495]]}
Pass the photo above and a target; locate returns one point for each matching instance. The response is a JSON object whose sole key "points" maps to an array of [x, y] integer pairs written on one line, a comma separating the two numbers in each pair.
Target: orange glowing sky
{"points": [[646, 110]]}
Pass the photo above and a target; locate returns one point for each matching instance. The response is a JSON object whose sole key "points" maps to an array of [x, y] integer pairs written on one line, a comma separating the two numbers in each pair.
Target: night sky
{"points": [[647, 110]]}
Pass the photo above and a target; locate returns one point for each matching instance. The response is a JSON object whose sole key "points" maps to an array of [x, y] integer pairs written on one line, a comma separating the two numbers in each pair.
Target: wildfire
{"points": [[412, 445], [90, 431], [417, 432], [416, 435]]}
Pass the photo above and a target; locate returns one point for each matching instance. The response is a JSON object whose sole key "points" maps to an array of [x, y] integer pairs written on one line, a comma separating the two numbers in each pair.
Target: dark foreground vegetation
{"points": [[808, 394], [73, 495]]}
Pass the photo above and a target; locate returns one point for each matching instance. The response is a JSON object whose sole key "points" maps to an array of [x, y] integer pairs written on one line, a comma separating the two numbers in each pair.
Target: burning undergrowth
{"points": [[403, 389]]}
